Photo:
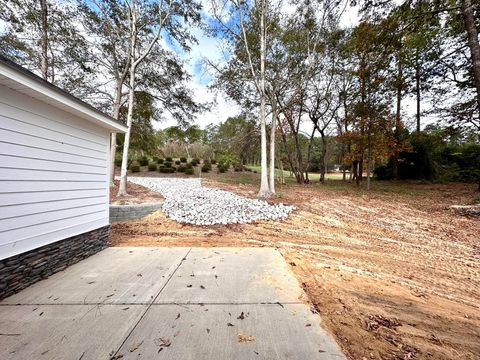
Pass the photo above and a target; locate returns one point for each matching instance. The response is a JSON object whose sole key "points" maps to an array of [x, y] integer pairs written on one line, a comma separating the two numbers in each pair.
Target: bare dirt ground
{"points": [[137, 194], [394, 274]]}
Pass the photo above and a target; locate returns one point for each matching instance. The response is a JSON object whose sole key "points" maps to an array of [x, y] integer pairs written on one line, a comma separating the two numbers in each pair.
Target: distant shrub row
{"points": [[145, 161], [169, 165]]}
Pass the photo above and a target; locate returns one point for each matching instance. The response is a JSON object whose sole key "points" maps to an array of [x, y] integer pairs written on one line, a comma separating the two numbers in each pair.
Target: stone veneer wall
{"points": [[22, 270], [131, 212]]}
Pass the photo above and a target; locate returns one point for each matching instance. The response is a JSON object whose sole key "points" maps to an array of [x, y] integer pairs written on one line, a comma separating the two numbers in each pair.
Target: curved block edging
{"points": [[131, 212]]}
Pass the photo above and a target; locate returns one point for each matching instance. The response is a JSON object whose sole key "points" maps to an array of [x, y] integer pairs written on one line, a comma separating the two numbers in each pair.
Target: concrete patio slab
{"points": [[64, 332], [115, 275], [218, 332], [232, 275], [126, 303]]}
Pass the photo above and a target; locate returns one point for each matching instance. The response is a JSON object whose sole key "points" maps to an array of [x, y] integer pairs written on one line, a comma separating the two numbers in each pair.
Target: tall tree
{"points": [[42, 36], [369, 52], [470, 22], [323, 100], [248, 35], [106, 22], [147, 21]]}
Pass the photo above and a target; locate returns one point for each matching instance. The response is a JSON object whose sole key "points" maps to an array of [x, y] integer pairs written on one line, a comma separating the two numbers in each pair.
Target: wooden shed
{"points": [[54, 177]]}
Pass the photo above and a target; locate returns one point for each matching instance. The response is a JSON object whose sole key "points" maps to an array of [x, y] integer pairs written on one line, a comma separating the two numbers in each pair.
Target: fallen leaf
{"points": [[162, 343], [245, 338], [136, 346]]}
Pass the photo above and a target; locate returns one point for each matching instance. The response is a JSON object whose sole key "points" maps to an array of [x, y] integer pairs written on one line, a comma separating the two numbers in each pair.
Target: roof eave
{"points": [[58, 97]]}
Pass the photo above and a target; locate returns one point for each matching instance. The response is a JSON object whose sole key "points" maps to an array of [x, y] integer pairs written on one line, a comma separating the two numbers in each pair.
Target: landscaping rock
{"points": [[187, 201]]}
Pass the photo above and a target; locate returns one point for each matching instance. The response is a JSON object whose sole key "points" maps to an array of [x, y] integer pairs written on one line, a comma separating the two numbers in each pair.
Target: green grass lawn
{"points": [[287, 176], [333, 183]]}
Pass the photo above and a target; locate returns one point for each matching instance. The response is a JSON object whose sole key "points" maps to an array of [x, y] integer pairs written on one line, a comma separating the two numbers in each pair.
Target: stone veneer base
{"points": [[22, 270]]}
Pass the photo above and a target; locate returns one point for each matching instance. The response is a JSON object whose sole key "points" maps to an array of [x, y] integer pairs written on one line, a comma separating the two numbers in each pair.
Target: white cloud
{"points": [[222, 107]]}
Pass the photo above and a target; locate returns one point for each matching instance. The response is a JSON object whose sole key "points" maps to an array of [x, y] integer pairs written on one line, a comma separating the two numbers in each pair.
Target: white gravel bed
{"points": [[187, 201]]}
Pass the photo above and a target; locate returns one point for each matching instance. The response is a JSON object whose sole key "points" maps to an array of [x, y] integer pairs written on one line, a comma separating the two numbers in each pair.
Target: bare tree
{"points": [[107, 23], [138, 26], [256, 66]]}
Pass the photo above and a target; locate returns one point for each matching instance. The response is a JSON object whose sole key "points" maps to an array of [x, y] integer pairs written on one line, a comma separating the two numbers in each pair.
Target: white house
{"points": [[54, 172]]}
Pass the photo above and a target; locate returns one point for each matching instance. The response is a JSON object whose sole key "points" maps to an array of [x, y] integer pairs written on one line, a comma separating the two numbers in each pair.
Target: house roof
{"points": [[20, 79]]}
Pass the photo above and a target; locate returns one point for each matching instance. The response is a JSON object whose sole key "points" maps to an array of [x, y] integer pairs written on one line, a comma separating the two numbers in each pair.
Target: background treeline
{"points": [[397, 94], [344, 95]]}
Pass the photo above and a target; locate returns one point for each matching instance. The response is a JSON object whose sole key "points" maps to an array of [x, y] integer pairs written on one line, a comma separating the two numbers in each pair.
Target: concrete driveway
{"points": [[166, 303]]}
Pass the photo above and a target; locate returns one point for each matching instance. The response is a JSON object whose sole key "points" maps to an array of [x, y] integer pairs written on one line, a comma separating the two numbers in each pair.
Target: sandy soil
{"points": [[137, 195], [394, 274]]}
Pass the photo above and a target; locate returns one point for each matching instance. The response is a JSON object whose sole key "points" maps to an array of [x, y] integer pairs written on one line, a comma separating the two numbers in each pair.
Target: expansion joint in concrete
{"points": [[151, 302]]}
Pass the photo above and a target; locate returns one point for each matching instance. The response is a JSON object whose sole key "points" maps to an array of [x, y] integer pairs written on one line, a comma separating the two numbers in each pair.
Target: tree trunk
{"points": [[44, 40], [289, 155], [398, 126], [309, 153], [348, 146], [323, 155], [296, 162], [354, 172], [300, 167], [273, 132], [472, 34], [369, 158], [113, 138], [360, 170], [395, 165], [264, 186], [417, 89], [282, 175], [122, 189], [363, 95]]}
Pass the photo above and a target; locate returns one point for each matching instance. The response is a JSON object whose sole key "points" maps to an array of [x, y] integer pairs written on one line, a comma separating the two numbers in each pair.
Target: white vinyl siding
{"points": [[53, 174]]}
